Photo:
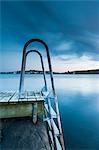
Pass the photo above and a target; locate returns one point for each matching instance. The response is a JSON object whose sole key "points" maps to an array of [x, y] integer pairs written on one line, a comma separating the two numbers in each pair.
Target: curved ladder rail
{"points": [[23, 71], [25, 53], [42, 64]]}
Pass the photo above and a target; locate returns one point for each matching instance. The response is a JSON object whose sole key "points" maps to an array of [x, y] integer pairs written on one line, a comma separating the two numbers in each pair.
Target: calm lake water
{"points": [[78, 97]]}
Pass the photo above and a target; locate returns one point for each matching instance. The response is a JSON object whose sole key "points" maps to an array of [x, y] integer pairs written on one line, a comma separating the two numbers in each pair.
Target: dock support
{"points": [[34, 113]]}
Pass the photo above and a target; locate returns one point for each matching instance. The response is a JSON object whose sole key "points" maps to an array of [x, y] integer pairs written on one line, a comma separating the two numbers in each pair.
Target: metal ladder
{"points": [[52, 116]]}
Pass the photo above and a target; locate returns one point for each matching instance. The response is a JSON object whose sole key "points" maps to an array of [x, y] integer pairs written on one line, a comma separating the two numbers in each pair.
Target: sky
{"points": [[70, 29]]}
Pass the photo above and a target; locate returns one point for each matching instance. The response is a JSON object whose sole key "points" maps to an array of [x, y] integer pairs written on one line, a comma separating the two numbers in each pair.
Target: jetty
{"points": [[31, 119]]}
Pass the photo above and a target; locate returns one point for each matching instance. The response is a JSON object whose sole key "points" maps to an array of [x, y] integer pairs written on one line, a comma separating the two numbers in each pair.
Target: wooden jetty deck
{"points": [[30, 104], [18, 132], [27, 96]]}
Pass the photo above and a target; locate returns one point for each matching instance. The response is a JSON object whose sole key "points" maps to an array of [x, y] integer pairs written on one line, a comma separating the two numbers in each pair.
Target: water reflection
{"points": [[78, 98]]}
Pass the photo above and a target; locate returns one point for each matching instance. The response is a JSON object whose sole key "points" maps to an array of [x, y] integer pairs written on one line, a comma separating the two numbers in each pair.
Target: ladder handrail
{"points": [[23, 72], [25, 53], [42, 64], [24, 63]]}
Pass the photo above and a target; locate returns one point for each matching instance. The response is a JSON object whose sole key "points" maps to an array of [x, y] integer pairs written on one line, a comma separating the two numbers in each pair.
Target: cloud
{"points": [[67, 57], [63, 46], [71, 29]]}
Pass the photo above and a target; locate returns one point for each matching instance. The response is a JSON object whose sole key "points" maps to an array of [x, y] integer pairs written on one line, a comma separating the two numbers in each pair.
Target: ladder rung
{"points": [[53, 113], [57, 141], [55, 127], [51, 137], [58, 144]]}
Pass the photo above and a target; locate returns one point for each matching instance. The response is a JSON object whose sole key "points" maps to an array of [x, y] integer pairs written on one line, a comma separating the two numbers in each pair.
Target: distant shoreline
{"points": [[94, 71]]}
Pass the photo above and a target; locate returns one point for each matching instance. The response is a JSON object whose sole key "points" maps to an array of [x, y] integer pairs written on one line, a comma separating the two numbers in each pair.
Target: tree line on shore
{"points": [[94, 71]]}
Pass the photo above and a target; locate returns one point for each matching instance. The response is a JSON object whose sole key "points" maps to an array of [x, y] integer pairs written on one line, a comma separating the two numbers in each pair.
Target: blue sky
{"points": [[70, 28]]}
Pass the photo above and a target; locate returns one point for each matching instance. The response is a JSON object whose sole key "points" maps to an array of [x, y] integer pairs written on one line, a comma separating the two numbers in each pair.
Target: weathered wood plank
{"points": [[22, 99], [31, 96], [27, 96], [24, 95], [15, 110], [20, 109], [31, 99], [6, 97], [14, 98], [39, 96], [2, 95]]}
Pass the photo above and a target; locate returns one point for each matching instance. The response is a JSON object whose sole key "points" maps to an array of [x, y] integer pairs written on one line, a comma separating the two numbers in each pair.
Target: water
{"points": [[78, 98]]}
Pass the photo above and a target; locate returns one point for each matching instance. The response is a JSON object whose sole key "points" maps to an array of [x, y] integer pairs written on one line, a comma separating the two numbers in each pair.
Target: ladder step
{"points": [[58, 144], [51, 137], [53, 113], [57, 141], [55, 127]]}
